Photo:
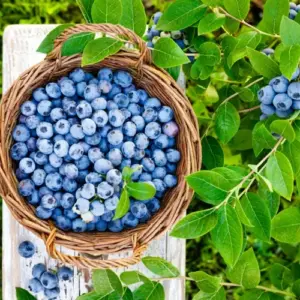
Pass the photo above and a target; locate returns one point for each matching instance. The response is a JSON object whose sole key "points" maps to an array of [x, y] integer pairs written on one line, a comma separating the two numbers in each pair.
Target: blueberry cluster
{"points": [[294, 10], [73, 140], [280, 97]]}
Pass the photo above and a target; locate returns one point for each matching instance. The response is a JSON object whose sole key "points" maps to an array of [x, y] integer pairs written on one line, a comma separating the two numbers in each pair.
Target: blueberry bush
{"points": [[242, 79]]}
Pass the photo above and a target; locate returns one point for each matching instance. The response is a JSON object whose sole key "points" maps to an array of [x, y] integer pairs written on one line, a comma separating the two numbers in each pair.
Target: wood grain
{"points": [[19, 53]]}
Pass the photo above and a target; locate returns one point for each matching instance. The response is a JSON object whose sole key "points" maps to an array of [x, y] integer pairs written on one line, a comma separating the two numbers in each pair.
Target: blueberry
{"points": [[284, 114], [296, 105], [153, 205], [296, 74], [165, 114], [43, 191], [129, 89], [294, 90], [266, 95], [21, 175], [27, 165], [45, 146], [40, 94], [34, 198], [62, 127], [55, 161], [65, 273], [68, 88], [116, 117], [91, 92], [44, 130], [21, 133], [81, 206], [32, 122], [104, 86], [162, 141], [128, 149], [88, 126], [153, 130], [43, 213], [101, 225], [38, 270], [159, 157], [35, 286], [61, 148], [105, 190], [143, 96], [153, 103], [94, 81], [139, 210], [129, 129], [70, 139], [38, 177], [293, 13], [298, 8], [97, 208], [173, 155], [49, 169], [115, 156], [159, 173], [53, 90], [86, 147], [99, 103], [115, 226], [263, 117], [18, 151], [159, 186], [170, 129], [44, 108], [170, 180], [69, 185], [126, 113], [70, 108], [26, 249], [78, 225], [67, 201], [93, 178], [94, 154], [40, 158], [267, 109], [150, 115], [49, 202], [84, 110], [115, 137], [70, 214], [282, 102], [90, 226], [28, 108], [268, 51], [100, 118], [111, 203], [93, 140], [105, 74], [135, 176], [77, 75], [156, 17], [122, 100], [80, 87], [141, 141], [104, 145], [114, 177], [49, 280], [148, 164], [54, 181], [279, 84], [57, 212], [52, 293], [88, 191], [129, 220], [76, 151], [122, 78], [293, 5], [31, 144], [76, 131]]}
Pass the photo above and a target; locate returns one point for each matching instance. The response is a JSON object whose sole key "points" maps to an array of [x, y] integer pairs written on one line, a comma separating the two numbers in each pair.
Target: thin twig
{"points": [[244, 111]]}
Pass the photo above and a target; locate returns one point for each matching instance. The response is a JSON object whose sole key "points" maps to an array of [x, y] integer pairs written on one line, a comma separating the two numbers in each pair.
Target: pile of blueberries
{"points": [[44, 280], [294, 10], [75, 136], [280, 97]]}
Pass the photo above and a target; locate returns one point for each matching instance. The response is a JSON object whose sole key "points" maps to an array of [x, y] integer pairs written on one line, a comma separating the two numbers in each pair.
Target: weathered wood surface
{"points": [[19, 49]]}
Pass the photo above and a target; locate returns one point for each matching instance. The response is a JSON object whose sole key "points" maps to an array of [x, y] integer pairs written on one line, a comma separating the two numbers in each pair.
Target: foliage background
{"points": [[201, 255]]}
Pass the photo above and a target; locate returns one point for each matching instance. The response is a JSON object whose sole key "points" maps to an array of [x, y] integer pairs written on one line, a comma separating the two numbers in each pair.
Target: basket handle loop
{"points": [[106, 28], [83, 262]]}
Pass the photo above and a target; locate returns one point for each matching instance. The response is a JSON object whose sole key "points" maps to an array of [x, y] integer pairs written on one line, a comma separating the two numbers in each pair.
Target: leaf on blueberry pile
{"points": [[47, 44], [23, 294], [107, 11], [99, 49], [160, 266], [76, 43], [141, 190], [127, 172], [86, 9], [123, 205]]}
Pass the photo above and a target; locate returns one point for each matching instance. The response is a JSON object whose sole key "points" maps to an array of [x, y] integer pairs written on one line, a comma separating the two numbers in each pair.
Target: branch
{"points": [[244, 111]]}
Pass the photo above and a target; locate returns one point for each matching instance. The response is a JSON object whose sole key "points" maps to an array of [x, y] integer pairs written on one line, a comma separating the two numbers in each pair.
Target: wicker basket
{"points": [[158, 84]]}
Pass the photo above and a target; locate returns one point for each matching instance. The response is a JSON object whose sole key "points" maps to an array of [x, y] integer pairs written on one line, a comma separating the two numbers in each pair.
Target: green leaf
{"points": [[195, 224], [212, 153], [283, 128], [91, 296], [210, 186], [174, 72], [134, 16], [274, 10], [167, 54], [291, 150], [132, 277], [209, 54], [238, 9], [86, 9], [286, 226], [263, 64], [233, 176], [259, 215], [289, 32], [279, 171], [242, 215], [205, 282], [228, 235], [260, 295], [219, 295], [127, 172], [160, 266], [22, 294], [141, 190], [149, 291], [262, 138], [289, 60], [244, 94], [47, 45], [210, 22], [296, 126], [296, 287], [128, 295], [281, 277], [246, 271], [96, 50], [76, 43], [107, 11], [242, 140], [213, 2], [272, 200], [227, 122], [105, 282], [181, 14], [123, 205]]}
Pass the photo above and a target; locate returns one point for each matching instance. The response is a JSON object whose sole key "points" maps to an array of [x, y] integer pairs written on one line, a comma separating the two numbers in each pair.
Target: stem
{"points": [[244, 111], [247, 24], [187, 54]]}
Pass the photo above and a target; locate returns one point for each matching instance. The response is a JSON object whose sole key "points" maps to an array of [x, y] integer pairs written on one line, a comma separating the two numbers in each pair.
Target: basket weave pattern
{"points": [[158, 84]]}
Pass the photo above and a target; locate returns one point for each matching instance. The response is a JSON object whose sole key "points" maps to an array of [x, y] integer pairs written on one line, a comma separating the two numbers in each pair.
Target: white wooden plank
{"points": [[19, 53]]}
